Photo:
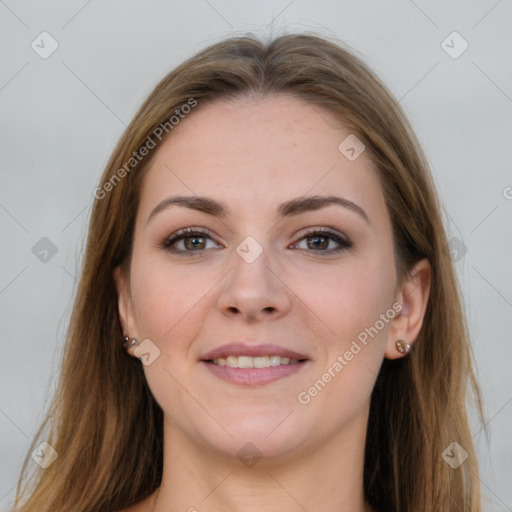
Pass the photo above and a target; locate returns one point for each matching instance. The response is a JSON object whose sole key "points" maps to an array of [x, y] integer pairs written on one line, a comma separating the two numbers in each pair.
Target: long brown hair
{"points": [[104, 422]]}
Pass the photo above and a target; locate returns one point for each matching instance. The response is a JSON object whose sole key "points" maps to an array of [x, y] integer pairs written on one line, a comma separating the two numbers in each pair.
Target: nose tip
{"points": [[252, 290]]}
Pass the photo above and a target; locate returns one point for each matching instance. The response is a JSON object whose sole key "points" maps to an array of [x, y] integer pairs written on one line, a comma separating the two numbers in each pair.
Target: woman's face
{"points": [[301, 288]]}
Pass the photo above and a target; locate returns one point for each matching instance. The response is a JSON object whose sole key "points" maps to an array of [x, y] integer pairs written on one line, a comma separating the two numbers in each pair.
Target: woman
{"points": [[268, 317]]}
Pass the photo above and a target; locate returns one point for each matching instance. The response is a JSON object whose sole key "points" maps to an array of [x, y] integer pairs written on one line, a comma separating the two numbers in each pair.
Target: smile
{"points": [[253, 362]]}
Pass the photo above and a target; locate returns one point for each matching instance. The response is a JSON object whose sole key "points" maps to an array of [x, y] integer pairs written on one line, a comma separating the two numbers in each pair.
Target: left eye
{"points": [[323, 241]]}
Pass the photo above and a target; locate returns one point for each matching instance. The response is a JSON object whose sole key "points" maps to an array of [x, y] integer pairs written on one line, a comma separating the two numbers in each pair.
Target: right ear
{"points": [[125, 306]]}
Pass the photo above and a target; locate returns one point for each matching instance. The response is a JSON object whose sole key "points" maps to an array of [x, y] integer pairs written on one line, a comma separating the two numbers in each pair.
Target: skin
{"points": [[253, 154]]}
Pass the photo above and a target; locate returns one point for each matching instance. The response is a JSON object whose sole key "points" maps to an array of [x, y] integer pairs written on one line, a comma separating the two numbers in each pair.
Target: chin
{"points": [[261, 435]]}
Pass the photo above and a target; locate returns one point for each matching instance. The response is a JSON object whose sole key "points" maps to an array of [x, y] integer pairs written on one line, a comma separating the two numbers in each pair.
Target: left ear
{"points": [[413, 296]]}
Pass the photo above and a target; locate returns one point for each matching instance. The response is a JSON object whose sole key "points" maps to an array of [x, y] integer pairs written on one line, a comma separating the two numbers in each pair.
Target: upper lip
{"points": [[252, 350]]}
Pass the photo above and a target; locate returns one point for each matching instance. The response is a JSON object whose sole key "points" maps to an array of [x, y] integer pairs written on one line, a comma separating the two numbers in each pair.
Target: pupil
{"points": [[194, 242], [323, 242]]}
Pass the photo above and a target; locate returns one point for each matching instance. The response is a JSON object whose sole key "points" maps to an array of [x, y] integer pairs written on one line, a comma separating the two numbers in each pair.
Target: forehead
{"points": [[260, 151]]}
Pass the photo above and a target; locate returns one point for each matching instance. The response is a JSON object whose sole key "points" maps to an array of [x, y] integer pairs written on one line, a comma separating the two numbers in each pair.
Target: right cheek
{"points": [[151, 305]]}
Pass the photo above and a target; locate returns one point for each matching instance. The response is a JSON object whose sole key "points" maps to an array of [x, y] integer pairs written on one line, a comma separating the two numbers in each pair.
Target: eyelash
{"points": [[343, 241]]}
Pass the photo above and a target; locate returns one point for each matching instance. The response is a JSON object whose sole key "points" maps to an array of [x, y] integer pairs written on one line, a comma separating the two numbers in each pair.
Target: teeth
{"points": [[275, 360], [245, 362], [231, 361], [254, 362], [261, 362]]}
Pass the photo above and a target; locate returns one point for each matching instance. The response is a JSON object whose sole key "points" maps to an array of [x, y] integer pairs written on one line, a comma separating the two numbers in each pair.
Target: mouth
{"points": [[253, 365], [253, 362]]}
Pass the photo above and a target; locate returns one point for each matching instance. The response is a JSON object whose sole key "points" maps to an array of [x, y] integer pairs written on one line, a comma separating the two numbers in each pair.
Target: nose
{"points": [[254, 290]]}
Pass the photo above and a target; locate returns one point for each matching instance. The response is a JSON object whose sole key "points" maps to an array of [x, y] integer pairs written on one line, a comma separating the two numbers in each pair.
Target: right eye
{"points": [[188, 240]]}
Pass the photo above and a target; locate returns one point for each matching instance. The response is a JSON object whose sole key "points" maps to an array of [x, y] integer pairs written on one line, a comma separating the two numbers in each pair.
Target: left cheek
{"points": [[355, 302]]}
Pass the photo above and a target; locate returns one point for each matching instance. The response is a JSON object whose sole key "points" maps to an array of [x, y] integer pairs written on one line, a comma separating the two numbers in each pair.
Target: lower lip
{"points": [[254, 376]]}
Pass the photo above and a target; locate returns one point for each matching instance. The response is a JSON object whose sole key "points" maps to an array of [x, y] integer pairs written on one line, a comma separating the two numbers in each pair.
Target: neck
{"points": [[327, 477]]}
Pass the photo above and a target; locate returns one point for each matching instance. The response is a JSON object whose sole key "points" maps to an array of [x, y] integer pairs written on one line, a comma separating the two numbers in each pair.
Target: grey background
{"points": [[62, 115]]}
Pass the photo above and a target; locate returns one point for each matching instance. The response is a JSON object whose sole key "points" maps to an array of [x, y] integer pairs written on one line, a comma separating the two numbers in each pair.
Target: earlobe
{"points": [[413, 295]]}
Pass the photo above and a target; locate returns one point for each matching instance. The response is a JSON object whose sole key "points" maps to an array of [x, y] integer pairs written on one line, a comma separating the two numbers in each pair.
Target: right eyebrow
{"points": [[201, 204]]}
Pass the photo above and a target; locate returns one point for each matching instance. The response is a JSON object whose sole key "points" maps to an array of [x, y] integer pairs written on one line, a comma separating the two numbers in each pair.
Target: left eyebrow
{"points": [[307, 204], [289, 208]]}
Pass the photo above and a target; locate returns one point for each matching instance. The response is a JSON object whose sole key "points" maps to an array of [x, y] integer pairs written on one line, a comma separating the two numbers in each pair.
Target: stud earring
{"points": [[402, 346], [128, 344]]}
